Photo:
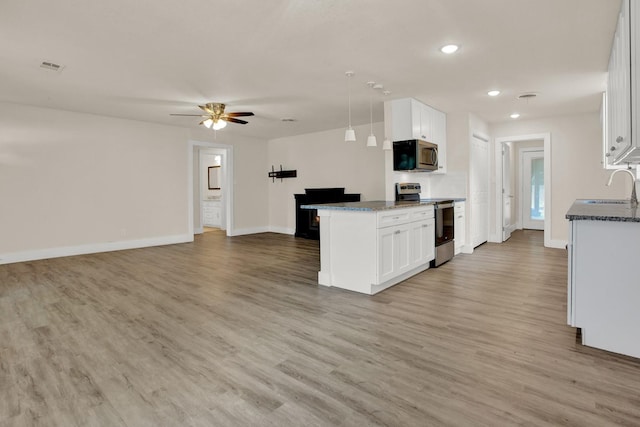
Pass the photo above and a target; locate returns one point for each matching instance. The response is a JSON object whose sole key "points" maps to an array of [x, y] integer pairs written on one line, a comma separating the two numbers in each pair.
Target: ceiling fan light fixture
{"points": [[219, 124], [208, 123]]}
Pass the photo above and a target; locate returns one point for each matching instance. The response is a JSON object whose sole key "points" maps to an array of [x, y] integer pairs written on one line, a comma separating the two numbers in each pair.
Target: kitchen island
{"points": [[367, 247], [603, 296]]}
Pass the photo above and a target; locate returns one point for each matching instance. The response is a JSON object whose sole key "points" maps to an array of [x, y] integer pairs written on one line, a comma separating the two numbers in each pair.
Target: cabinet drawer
{"points": [[458, 207], [419, 214], [394, 217]]}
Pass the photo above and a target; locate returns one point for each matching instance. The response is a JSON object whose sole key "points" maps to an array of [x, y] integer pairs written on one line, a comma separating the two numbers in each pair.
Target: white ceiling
{"points": [[144, 59]]}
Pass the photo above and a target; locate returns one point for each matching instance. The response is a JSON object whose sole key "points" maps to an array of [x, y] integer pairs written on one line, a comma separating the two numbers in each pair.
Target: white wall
{"points": [[323, 159], [83, 182], [576, 171], [73, 183]]}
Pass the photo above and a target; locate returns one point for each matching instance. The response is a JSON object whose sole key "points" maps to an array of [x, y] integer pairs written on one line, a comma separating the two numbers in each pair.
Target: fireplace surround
{"points": [[307, 220]]}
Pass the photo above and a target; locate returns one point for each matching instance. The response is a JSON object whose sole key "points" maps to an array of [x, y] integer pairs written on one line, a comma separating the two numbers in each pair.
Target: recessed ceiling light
{"points": [[493, 93], [450, 48], [515, 115]]}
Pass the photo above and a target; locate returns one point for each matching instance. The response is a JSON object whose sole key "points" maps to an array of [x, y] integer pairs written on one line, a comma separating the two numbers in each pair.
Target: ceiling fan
{"points": [[216, 118]]}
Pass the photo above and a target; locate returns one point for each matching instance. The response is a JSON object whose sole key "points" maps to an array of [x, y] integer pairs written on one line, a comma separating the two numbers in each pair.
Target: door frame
{"points": [[192, 192], [470, 207], [507, 229], [546, 137], [521, 180]]}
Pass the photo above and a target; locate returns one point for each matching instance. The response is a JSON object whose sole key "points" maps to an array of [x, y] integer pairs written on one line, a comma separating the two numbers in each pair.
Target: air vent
{"points": [[288, 119], [529, 95], [51, 66]]}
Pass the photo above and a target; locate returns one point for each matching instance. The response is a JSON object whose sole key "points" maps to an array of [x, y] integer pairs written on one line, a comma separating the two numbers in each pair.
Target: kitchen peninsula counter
{"points": [[367, 247], [603, 292], [378, 205]]}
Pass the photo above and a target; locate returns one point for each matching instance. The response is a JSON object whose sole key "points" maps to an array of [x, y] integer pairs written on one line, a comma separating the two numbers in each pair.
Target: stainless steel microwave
{"points": [[415, 155]]}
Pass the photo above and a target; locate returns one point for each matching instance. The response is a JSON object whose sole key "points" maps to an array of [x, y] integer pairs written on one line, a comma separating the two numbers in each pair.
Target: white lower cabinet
{"points": [[393, 251], [603, 294], [368, 251], [459, 227], [423, 242], [211, 213]]}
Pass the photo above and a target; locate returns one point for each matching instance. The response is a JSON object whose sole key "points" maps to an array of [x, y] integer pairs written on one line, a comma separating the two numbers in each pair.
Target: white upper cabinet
{"points": [[409, 118], [621, 142]]}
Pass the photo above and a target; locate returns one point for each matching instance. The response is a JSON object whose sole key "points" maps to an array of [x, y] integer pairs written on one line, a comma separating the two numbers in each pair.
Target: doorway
{"points": [[508, 196], [221, 192], [542, 143], [532, 187]]}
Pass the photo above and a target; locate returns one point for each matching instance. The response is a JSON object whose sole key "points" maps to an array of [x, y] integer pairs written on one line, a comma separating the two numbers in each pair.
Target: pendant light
{"points": [[350, 134], [386, 144], [371, 140]]}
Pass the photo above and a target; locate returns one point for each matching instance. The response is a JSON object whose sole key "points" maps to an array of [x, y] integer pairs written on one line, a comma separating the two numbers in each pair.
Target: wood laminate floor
{"points": [[235, 332]]}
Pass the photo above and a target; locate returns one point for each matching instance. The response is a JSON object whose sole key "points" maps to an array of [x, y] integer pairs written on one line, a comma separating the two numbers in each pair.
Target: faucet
{"points": [[634, 198]]}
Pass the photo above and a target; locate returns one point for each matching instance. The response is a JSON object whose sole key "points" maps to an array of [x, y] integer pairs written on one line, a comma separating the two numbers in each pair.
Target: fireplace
{"points": [[307, 220]]}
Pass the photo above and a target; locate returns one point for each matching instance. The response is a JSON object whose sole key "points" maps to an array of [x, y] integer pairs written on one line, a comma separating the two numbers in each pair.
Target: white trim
{"points": [[282, 230], [93, 248], [198, 230], [558, 244], [245, 231], [227, 163], [546, 137]]}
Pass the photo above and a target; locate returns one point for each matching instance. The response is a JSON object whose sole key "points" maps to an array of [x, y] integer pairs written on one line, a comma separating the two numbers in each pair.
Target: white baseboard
{"points": [[92, 248], [557, 244], [283, 230], [245, 231], [266, 229]]}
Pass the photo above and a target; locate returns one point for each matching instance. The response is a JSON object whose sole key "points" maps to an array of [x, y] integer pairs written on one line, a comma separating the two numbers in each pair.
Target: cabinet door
{"points": [[422, 235], [393, 252], [619, 89], [426, 126], [404, 119]]}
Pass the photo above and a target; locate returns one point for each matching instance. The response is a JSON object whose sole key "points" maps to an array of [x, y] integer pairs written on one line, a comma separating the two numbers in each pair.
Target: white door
{"points": [[507, 193], [533, 209], [479, 190]]}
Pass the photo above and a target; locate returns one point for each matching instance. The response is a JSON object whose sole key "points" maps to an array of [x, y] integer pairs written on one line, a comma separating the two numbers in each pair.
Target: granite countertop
{"points": [[602, 210], [440, 199], [377, 205]]}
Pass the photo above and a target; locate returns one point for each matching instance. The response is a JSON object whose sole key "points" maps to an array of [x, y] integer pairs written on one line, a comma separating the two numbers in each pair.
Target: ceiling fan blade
{"points": [[206, 109], [239, 114], [190, 115], [232, 120]]}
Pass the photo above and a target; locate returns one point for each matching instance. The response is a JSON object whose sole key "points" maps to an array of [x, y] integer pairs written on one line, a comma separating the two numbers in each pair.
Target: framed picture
{"points": [[214, 177]]}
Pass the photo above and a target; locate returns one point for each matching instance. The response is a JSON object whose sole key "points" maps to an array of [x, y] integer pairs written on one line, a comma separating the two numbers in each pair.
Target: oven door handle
{"points": [[443, 206]]}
